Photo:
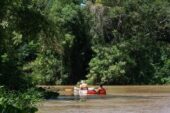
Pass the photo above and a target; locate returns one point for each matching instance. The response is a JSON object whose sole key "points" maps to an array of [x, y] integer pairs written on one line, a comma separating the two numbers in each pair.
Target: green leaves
{"points": [[68, 40], [17, 39], [133, 53], [107, 66], [4, 24], [53, 41], [4, 57], [18, 102], [44, 68]]}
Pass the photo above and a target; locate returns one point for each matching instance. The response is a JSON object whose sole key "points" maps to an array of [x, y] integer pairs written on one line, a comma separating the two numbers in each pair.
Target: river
{"points": [[119, 99]]}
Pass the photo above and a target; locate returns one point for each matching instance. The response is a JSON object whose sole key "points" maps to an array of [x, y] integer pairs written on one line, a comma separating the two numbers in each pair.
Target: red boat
{"points": [[91, 92]]}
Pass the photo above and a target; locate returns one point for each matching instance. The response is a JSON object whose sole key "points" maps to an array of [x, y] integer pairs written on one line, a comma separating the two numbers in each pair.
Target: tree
{"points": [[140, 32]]}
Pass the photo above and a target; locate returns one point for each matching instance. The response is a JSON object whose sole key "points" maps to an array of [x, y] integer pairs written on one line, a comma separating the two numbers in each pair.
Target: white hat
{"points": [[82, 81]]}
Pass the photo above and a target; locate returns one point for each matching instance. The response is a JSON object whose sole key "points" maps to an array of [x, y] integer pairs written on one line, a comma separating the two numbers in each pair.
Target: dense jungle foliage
{"points": [[64, 41]]}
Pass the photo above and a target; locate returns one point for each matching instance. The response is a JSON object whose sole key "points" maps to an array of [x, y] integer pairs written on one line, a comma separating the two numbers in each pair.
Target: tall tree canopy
{"points": [[105, 41]]}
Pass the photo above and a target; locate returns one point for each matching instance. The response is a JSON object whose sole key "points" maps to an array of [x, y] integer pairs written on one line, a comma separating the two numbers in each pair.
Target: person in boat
{"points": [[83, 91], [101, 90], [83, 85]]}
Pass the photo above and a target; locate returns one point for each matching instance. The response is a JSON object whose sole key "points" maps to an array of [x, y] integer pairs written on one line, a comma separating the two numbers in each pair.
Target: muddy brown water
{"points": [[119, 99]]}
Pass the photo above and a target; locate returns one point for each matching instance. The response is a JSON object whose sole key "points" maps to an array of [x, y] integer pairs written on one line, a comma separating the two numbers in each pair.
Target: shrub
{"points": [[18, 101]]}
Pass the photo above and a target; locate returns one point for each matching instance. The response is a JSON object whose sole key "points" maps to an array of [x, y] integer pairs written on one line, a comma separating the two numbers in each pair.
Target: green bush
{"points": [[18, 102]]}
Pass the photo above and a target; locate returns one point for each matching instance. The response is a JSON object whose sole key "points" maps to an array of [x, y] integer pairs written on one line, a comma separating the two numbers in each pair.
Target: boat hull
{"points": [[79, 92]]}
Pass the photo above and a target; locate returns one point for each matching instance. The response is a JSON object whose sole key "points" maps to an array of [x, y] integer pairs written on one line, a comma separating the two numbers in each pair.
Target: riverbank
{"points": [[68, 90]]}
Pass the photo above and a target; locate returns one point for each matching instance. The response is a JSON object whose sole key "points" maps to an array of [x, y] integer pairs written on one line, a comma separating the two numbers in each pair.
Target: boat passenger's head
{"points": [[101, 85]]}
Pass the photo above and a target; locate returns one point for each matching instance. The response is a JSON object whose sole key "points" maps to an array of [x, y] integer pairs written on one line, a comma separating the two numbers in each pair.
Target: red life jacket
{"points": [[102, 91]]}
